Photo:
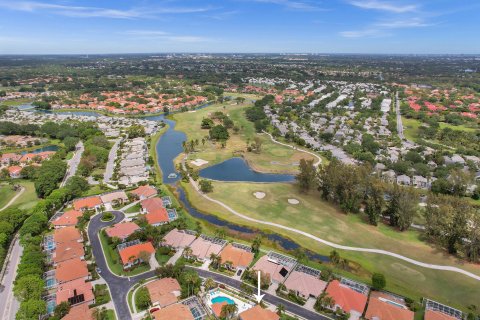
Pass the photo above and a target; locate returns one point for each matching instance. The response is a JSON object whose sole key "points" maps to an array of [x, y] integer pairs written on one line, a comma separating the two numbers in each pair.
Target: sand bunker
{"points": [[293, 201], [259, 195], [199, 162]]}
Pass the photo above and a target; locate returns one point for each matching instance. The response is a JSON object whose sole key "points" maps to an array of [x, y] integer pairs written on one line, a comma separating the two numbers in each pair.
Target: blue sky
{"points": [[284, 26]]}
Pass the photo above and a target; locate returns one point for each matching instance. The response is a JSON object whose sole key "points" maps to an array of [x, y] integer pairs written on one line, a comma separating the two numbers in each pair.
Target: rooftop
{"points": [[258, 313], [122, 230], [131, 253], [164, 291]]}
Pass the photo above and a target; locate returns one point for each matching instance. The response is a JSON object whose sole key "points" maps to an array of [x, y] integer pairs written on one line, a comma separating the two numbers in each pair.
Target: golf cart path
{"points": [[316, 164], [13, 199], [338, 246]]}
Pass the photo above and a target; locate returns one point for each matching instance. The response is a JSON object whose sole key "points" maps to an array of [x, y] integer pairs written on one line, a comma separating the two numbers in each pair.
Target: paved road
{"points": [[399, 118], [112, 155], [335, 245], [73, 163], [119, 286], [8, 303], [22, 190]]}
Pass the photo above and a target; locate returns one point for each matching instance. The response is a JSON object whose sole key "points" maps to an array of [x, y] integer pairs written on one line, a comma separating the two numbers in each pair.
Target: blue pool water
{"points": [[221, 299], [51, 306]]}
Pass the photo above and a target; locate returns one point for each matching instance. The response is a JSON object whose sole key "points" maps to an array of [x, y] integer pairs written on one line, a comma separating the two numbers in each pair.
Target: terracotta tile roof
{"points": [[346, 298], [144, 191], [69, 289], [437, 315], [217, 308], [305, 284], [178, 239], [14, 169], [89, 203], [122, 230], [130, 254], [112, 196], [258, 313], [70, 270], [151, 204], [173, 312], [238, 257], [80, 312], [164, 291], [270, 268], [158, 215], [68, 250], [202, 248], [69, 218], [383, 310], [67, 234]]}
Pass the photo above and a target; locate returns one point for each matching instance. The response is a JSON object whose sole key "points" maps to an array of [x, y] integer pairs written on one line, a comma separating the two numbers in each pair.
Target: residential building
{"points": [[80, 312], [130, 255], [258, 313], [236, 256], [305, 282], [67, 234], [15, 172], [347, 299], [276, 268], [384, 306], [70, 270], [68, 218], [173, 312], [157, 217], [179, 239], [144, 192], [114, 198], [122, 230], [68, 250], [89, 203], [403, 180], [204, 246], [164, 292], [75, 292]]}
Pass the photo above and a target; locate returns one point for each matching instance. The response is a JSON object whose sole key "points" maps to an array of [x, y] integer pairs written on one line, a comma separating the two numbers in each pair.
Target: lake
{"points": [[237, 169]]}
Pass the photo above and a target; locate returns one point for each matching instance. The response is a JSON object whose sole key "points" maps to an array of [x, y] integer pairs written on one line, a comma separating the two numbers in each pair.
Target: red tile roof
{"points": [[70, 270], [159, 215], [67, 290], [383, 310], [144, 191], [122, 230], [151, 204], [164, 291], [67, 234], [258, 313], [89, 203], [437, 315], [346, 298], [69, 218], [80, 312], [173, 312], [130, 254]]}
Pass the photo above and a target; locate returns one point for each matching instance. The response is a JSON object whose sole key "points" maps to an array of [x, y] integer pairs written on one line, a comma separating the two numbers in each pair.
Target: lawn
{"points": [[29, 197], [325, 221], [113, 260], [17, 102], [410, 128], [111, 315], [136, 208], [272, 158], [461, 127], [6, 194]]}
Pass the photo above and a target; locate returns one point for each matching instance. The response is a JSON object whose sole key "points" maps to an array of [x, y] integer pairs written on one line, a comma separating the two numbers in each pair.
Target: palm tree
{"points": [[209, 284], [187, 252], [215, 260], [280, 309], [228, 311]]}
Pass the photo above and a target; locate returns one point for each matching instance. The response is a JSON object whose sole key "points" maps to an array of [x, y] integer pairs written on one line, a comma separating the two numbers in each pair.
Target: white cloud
{"points": [[292, 4], [363, 33], [94, 12], [398, 24], [384, 6]]}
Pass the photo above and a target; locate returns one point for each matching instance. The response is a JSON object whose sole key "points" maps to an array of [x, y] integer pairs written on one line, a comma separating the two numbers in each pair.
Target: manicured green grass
{"points": [[325, 221], [134, 209], [410, 128], [162, 258], [111, 315], [29, 197], [6, 194], [461, 127], [17, 102], [272, 158], [96, 189], [113, 260]]}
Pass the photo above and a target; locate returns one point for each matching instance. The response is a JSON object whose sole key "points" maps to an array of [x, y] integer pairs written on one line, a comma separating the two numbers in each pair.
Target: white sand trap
{"points": [[192, 111], [293, 201], [199, 162], [259, 195]]}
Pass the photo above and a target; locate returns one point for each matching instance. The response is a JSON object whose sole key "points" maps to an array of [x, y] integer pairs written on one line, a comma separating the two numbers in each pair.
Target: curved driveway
{"points": [[120, 286], [339, 246]]}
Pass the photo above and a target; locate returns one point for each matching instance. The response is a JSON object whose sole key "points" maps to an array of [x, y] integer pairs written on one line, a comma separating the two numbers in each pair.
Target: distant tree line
{"points": [[449, 221]]}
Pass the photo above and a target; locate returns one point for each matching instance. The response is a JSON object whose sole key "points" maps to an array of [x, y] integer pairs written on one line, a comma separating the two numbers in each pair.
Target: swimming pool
{"points": [[221, 299], [51, 304]]}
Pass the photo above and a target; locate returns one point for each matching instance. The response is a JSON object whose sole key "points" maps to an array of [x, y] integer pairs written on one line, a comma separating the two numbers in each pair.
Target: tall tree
{"points": [[306, 178]]}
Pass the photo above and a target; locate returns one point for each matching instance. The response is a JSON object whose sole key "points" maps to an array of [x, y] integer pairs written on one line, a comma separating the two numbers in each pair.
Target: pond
{"points": [[237, 169], [87, 113], [42, 149]]}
